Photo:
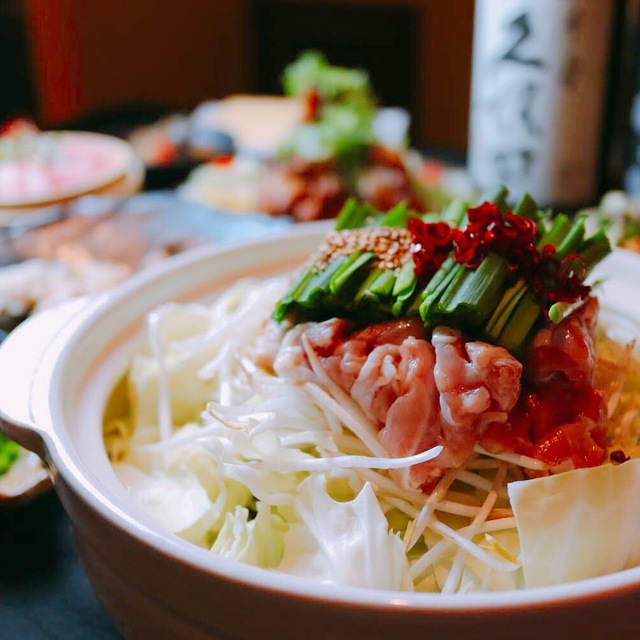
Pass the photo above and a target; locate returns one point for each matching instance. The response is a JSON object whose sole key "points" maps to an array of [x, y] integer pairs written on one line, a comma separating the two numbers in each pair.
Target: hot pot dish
{"points": [[409, 422]]}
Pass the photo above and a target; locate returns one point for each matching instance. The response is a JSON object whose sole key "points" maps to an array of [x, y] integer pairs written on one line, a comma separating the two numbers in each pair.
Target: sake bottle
{"points": [[628, 92], [539, 79]]}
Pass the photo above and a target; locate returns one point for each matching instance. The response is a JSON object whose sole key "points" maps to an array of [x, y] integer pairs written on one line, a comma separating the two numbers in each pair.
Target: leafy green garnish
{"points": [[9, 451], [342, 127], [334, 85]]}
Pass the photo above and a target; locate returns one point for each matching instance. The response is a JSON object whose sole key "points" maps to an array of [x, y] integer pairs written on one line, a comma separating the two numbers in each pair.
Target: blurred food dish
{"points": [[155, 584], [104, 240], [43, 170], [173, 145], [162, 142], [303, 154], [252, 126], [231, 182], [100, 243], [238, 183], [259, 125], [620, 212], [343, 146]]}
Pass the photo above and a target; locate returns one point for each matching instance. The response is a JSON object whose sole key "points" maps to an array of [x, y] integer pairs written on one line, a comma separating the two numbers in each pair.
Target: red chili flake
{"points": [[311, 105], [618, 456], [568, 285], [432, 171], [488, 231], [513, 237], [432, 243], [222, 161], [385, 156]]}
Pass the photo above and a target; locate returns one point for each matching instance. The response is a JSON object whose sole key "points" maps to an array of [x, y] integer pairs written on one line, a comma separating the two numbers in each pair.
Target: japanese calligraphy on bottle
{"points": [[632, 174], [537, 96]]}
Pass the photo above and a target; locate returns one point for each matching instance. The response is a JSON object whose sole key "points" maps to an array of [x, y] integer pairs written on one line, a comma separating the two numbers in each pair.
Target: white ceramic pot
{"points": [[56, 372]]}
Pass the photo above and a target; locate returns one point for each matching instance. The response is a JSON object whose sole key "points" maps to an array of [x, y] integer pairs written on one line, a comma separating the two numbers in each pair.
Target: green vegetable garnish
{"points": [[340, 110], [9, 451], [493, 273]]}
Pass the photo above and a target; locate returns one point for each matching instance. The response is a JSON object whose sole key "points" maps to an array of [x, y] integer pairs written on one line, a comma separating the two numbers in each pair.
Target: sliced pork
{"points": [[422, 391], [396, 389], [473, 377], [561, 418], [418, 393], [566, 351]]}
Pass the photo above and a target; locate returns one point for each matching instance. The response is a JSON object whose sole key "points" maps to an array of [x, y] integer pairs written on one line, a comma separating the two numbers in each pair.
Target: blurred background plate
{"points": [[93, 244], [43, 169]]}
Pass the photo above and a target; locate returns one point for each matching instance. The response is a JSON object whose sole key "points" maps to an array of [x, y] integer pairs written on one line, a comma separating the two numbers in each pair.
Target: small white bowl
{"points": [[78, 163], [56, 372]]}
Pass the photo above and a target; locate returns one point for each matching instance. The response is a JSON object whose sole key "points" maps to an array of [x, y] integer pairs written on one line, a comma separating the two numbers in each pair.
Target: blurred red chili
{"points": [[511, 236], [432, 243]]}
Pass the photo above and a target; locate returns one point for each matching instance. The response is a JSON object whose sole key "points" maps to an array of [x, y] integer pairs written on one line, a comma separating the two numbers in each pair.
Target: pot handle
{"points": [[20, 356]]}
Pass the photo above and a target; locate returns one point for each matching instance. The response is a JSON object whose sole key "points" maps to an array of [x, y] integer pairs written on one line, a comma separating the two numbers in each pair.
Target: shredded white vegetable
{"points": [[293, 477]]}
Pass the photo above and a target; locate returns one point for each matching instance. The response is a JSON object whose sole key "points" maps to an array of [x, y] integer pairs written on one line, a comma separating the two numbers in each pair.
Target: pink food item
{"points": [[421, 389], [51, 167], [418, 392]]}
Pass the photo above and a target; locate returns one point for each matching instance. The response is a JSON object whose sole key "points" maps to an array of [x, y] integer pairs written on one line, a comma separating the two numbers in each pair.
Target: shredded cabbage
{"points": [[226, 454], [579, 524]]}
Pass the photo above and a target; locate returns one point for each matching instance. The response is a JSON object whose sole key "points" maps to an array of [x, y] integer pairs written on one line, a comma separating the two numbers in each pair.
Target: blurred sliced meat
{"points": [[566, 350], [314, 190], [109, 237]]}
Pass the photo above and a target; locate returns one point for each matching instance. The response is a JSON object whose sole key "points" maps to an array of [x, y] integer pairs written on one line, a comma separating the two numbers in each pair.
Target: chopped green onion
{"points": [[455, 212], [484, 302], [396, 217], [521, 323], [351, 272], [560, 227], [351, 216], [503, 312], [474, 294], [573, 239], [527, 208]]}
